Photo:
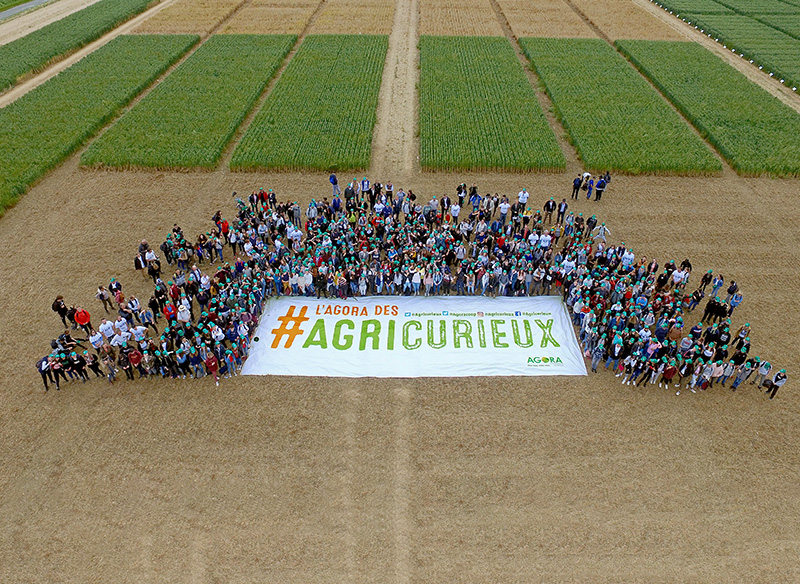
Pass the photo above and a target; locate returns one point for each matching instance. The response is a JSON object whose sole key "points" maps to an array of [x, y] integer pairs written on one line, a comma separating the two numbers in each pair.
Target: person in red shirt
{"points": [[170, 312], [83, 319], [212, 365], [135, 357]]}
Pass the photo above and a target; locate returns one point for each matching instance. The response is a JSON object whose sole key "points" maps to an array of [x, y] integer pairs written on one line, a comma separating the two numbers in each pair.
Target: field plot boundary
{"points": [[753, 130], [311, 118], [32, 143], [477, 109], [54, 42], [646, 137], [165, 130]]}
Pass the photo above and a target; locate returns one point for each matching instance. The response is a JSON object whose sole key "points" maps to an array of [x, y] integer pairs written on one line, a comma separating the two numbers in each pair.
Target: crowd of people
{"points": [[632, 315]]}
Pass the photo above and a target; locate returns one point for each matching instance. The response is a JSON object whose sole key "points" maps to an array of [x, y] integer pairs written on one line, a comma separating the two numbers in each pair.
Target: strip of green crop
{"points": [[704, 6], [189, 118], [41, 47], [758, 6], [768, 48], [477, 110], [6, 4], [616, 120], [787, 23], [321, 113], [40, 129], [753, 130]]}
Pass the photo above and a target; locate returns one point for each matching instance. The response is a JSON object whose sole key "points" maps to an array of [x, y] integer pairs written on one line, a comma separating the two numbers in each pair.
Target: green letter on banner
{"points": [[417, 342], [442, 335], [497, 335], [337, 338], [465, 334], [528, 342], [390, 336], [317, 336], [481, 334], [372, 334], [548, 335]]}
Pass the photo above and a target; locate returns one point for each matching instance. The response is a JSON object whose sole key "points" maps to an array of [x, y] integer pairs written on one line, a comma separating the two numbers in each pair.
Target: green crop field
{"points": [[189, 118], [753, 130], [767, 47], [321, 113], [759, 6], [477, 110], [787, 23], [39, 48], [40, 129], [616, 120], [705, 6]]}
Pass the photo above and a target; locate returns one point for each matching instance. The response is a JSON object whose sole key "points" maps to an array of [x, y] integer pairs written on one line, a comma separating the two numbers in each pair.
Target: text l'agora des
{"points": [[348, 310]]}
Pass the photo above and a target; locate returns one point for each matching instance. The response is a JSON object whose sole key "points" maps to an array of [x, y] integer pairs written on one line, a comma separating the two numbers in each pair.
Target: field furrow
{"points": [[38, 49], [477, 109], [42, 128], [753, 130], [188, 119], [321, 112], [615, 119]]}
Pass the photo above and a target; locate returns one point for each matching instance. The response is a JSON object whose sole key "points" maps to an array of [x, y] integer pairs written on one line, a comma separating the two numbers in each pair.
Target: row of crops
{"points": [[753, 130], [40, 129], [615, 119], [767, 32], [189, 118], [41, 47], [477, 109], [321, 113]]}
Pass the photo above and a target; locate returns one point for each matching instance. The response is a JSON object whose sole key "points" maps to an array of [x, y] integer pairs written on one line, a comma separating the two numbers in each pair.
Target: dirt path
{"points": [[23, 24], [783, 93], [21, 89], [395, 142]]}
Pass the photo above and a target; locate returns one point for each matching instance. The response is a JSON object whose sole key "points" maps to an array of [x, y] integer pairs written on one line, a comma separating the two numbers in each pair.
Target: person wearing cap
{"points": [[763, 371], [777, 382]]}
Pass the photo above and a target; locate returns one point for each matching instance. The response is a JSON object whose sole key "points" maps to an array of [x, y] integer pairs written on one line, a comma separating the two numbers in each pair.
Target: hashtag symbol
{"points": [[290, 326]]}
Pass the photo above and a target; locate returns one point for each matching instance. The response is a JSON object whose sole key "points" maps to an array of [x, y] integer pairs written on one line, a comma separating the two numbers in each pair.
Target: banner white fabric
{"points": [[399, 336]]}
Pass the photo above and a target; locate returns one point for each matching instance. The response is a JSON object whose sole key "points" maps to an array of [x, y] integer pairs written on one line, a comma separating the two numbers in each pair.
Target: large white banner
{"points": [[397, 336]]}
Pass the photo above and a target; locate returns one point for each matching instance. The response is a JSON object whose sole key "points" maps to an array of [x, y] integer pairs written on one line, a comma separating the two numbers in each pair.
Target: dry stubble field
{"points": [[415, 480]]}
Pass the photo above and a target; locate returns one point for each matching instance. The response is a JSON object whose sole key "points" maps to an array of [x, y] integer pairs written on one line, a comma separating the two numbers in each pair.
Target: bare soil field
{"points": [[548, 18], [272, 17], [450, 17], [625, 20], [292, 479], [190, 17], [355, 17]]}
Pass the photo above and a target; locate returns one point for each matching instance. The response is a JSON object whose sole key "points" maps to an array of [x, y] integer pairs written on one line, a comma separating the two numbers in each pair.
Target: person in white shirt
{"points": [[107, 328], [523, 196], [121, 325], [455, 210], [96, 339]]}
